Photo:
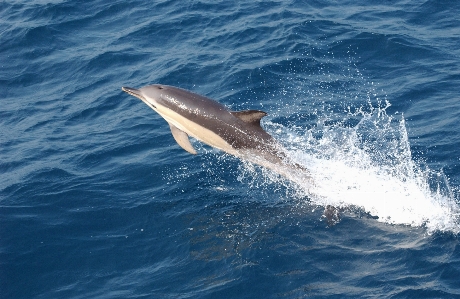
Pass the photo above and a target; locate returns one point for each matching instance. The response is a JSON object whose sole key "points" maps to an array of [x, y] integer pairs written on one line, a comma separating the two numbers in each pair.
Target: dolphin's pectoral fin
{"points": [[182, 139], [250, 116]]}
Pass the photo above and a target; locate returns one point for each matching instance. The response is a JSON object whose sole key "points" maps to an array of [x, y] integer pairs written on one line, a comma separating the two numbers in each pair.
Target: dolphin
{"points": [[237, 133]]}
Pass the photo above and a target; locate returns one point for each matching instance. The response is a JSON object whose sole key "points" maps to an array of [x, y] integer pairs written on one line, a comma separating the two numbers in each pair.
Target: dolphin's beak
{"points": [[133, 92]]}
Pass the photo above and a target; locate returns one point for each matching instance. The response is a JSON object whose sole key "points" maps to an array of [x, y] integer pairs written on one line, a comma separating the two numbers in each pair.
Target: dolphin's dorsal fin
{"points": [[250, 116], [182, 139]]}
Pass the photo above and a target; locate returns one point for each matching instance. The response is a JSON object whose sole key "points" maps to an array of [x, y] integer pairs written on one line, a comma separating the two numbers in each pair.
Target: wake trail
{"points": [[369, 166]]}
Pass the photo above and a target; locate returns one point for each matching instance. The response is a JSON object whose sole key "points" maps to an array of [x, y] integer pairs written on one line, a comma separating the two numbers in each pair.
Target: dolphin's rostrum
{"points": [[236, 133]]}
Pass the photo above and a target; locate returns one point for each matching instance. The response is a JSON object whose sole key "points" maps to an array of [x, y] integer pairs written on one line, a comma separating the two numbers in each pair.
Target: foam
{"points": [[369, 166]]}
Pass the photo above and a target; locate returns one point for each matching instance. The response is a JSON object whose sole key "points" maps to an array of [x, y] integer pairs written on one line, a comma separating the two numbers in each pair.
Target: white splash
{"points": [[370, 166]]}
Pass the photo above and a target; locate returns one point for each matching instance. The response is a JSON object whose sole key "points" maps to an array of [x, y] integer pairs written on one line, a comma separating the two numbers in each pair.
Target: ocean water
{"points": [[98, 201]]}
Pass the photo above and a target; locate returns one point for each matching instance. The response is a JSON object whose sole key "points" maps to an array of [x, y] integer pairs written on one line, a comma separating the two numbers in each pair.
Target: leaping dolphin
{"points": [[237, 133]]}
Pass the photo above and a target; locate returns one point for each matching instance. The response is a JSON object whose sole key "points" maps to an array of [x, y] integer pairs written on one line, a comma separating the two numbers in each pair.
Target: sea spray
{"points": [[369, 166]]}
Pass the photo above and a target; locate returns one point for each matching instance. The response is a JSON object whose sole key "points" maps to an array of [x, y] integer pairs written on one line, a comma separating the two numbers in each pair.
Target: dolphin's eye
{"points": [[160, 87]]}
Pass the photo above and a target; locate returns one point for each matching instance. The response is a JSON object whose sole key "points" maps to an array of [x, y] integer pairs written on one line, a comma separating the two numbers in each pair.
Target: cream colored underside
{"points": [[195, 130]]}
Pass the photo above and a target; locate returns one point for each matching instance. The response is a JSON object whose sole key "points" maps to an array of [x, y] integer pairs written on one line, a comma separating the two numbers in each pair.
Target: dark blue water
{"points": [[98, 201]]}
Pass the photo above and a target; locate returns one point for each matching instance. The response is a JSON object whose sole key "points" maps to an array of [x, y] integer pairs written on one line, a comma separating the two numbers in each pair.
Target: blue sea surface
{"points": [[97, 200]]}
